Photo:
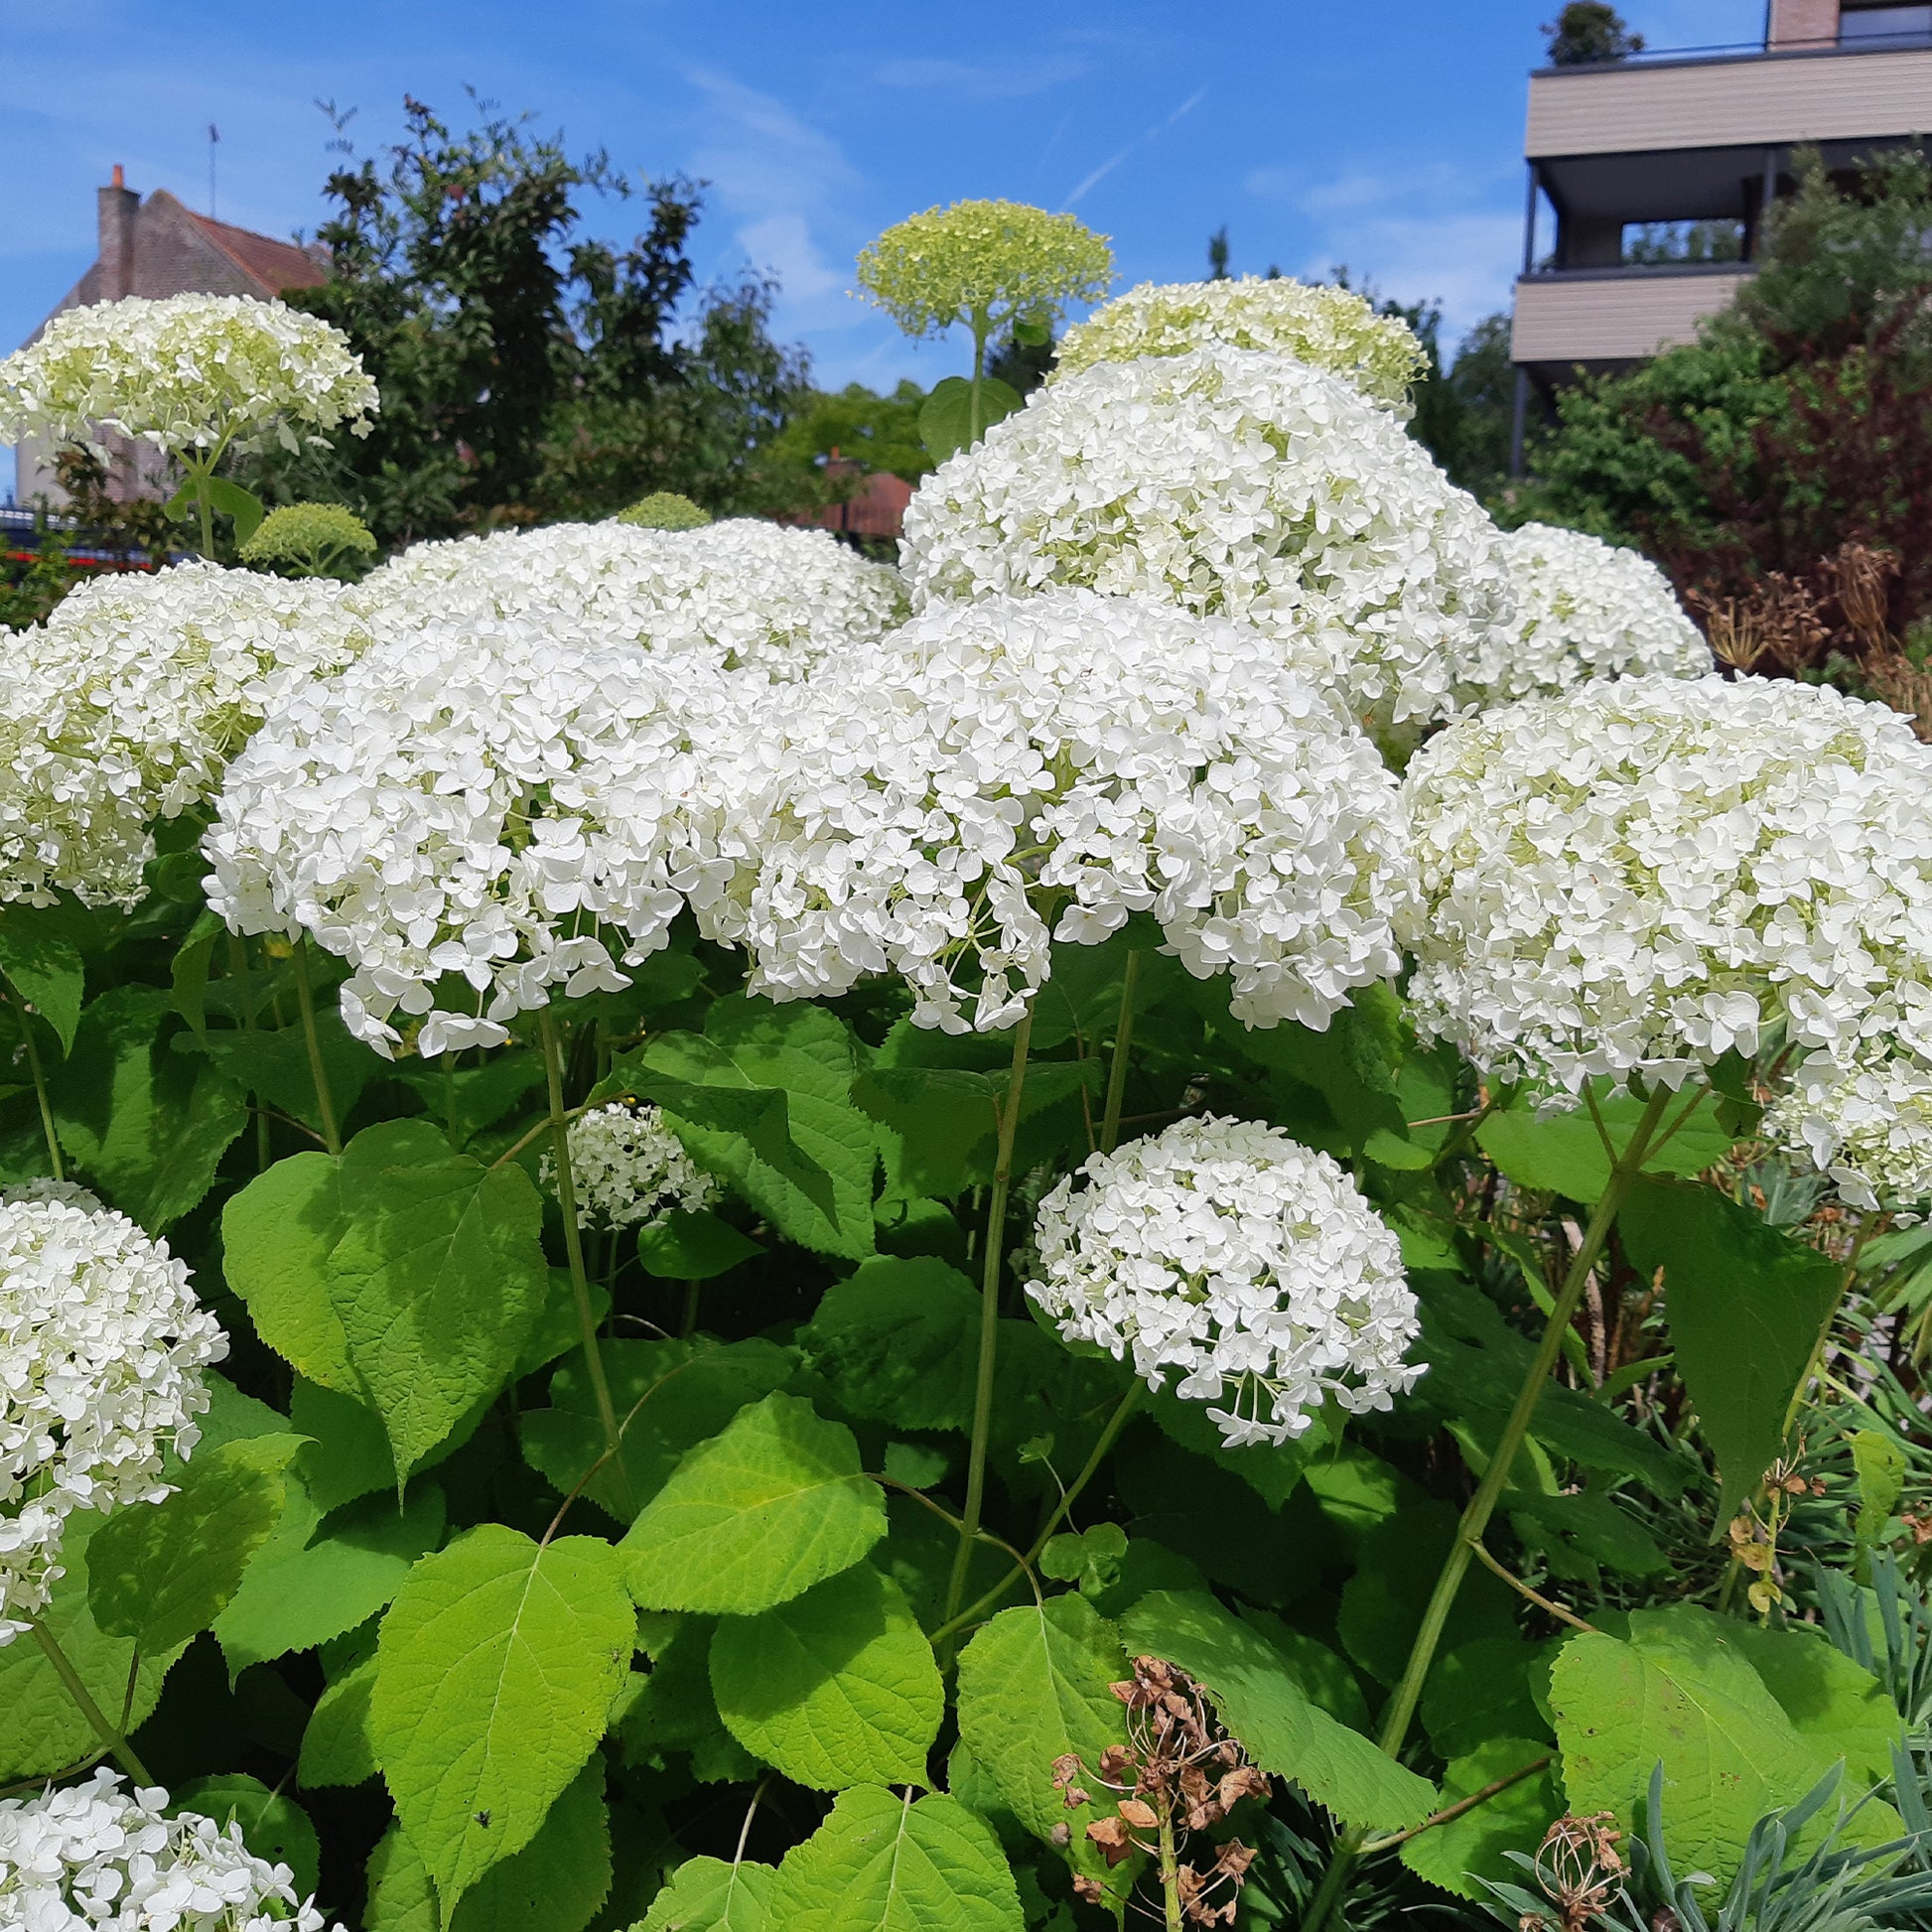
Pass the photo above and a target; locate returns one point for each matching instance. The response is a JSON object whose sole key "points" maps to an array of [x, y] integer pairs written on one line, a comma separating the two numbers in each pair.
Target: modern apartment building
{"points": [[1658, 167]]}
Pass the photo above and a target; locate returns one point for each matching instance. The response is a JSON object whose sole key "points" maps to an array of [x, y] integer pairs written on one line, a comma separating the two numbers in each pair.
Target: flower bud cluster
{"points": [[91, 1857], [1327, 328], [1247, 1267], [998, 774], [628, 1169], [740, 595], [187, 373], [1229, 482], [101, 1348], [126, 705]]}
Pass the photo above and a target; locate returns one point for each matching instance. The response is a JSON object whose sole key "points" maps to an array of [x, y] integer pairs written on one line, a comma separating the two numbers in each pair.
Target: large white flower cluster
{"points": [[1234, 483], [473, 813], [126, 705], [91, 1857], [1002, 773], [1637, 877], [101, 1348], [744, 593], [1327, 328], [1585, 609], [1249, 1267], [188, 372], [628, 1169]]}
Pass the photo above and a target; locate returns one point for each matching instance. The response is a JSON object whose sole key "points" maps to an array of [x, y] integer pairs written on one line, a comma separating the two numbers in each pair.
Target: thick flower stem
{"points": [[39, 1093], [83, 1699], [1482, 1505], [579, 1286], [325, 1101], [245, 981], [1122, 1044], [1170, 1873], [995, 1222]]}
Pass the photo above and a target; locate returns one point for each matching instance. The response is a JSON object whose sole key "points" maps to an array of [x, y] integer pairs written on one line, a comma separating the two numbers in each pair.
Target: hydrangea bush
{"points": [[695, 1237]]}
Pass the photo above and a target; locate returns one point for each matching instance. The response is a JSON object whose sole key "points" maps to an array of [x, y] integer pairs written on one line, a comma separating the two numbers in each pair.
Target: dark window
{"points": [[1884, 23]]}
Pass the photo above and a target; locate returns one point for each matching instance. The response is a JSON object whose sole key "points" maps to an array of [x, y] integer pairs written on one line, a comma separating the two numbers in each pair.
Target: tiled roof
{"points": [[276, 265]]}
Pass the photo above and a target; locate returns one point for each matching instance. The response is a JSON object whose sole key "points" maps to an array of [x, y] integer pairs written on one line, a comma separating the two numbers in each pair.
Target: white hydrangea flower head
{"points": [[44, 1187], [1247, 1267], [92, 1858], [1585, 609], [628, 1169], [1230, 484], [740, 595], [473, 813], [999, 774], [1867, 1123], [187, 373], [102, 1345], [1639, 876], [1327, 328], [125, 706]]}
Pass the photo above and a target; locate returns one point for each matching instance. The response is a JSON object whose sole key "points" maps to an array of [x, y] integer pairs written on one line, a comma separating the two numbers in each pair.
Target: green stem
{"points": [[239, 970], [205, 505], [580, 1286], [974, 420], [995, 1220], [325, 1101], [1475, 1518], [693, 1293], [1122, 1042], [40, 1094], [1170, 1871], [83, 1699]]}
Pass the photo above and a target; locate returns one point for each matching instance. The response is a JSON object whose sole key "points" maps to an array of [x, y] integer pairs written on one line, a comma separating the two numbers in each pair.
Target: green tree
{"points": [[1588, 30]]}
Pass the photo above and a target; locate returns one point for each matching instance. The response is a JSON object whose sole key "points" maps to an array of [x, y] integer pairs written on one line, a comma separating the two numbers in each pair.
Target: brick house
{"points": [[159, 248]]}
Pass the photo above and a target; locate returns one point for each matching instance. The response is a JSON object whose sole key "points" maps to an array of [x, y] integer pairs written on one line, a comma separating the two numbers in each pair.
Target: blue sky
{"points": [[1383, 136]]}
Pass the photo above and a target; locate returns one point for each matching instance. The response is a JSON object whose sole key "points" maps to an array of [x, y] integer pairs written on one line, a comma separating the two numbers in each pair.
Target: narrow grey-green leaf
{"points": [[495, 1675], [882, 1864], [163, 1573], [756, 1515], [1261, 1704], [837, 1687]]}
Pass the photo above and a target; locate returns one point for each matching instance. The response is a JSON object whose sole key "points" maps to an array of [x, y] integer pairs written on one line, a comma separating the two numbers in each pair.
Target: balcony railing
{"points": [[1656, 56]]}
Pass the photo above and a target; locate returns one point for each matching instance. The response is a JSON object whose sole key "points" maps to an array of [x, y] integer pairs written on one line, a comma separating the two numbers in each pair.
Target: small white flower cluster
{"points": [[101, 1348], [1637, 877], [1002, 773], [91, 1857], [1248, 1265], [1327, 328], [126, 705], [469, 814], [1865, 1122], [628, 1169], [1585, 609], [744, 593], [1234, 483], [187, 373]]}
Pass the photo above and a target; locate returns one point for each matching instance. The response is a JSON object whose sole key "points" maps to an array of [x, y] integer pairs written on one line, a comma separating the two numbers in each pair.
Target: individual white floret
{"points": [[998, 774], [1640, 876], [474, 813], [1232, 484], [1585, 609], [187, 373], [101, 1350], [127, 704], [1327, 328], [1248, 1268], [628, 1169], [744, 593], [92, 1858]]}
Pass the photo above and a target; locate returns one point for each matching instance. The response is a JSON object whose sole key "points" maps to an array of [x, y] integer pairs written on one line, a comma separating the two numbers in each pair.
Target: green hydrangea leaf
{"points": [[163, 1573], [1460, 1853], [834, 1687], [756, 1515], [693, 1246], [496, 1672], [709, 1896], [43, 965], [883, 1863], [1564, 1153], [559, 1881], [337, 1747], [273, 1827], [898, 1339], [1285, 1730]]}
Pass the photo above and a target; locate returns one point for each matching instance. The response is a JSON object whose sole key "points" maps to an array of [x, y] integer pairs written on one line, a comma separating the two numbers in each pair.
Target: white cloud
{"points": [[1465, 261], [783, 244], [1107, 167]]}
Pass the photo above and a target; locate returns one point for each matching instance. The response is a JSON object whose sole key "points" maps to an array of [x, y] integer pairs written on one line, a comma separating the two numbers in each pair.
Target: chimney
{"points": [[117, 205], [1802, 23]]}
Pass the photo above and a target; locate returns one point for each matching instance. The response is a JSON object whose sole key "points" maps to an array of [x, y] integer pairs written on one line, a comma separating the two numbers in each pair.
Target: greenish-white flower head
{"points": [[311, 540], [666, 509], [192, 374], [1329, 329], [986, 264]]}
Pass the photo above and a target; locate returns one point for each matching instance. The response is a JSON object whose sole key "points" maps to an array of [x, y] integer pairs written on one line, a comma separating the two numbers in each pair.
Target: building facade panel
{"points": [[1560, 319]]}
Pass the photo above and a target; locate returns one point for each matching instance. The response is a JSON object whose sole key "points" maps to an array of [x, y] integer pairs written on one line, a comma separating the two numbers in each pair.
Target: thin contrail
{"points": [[1107, 167]]}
